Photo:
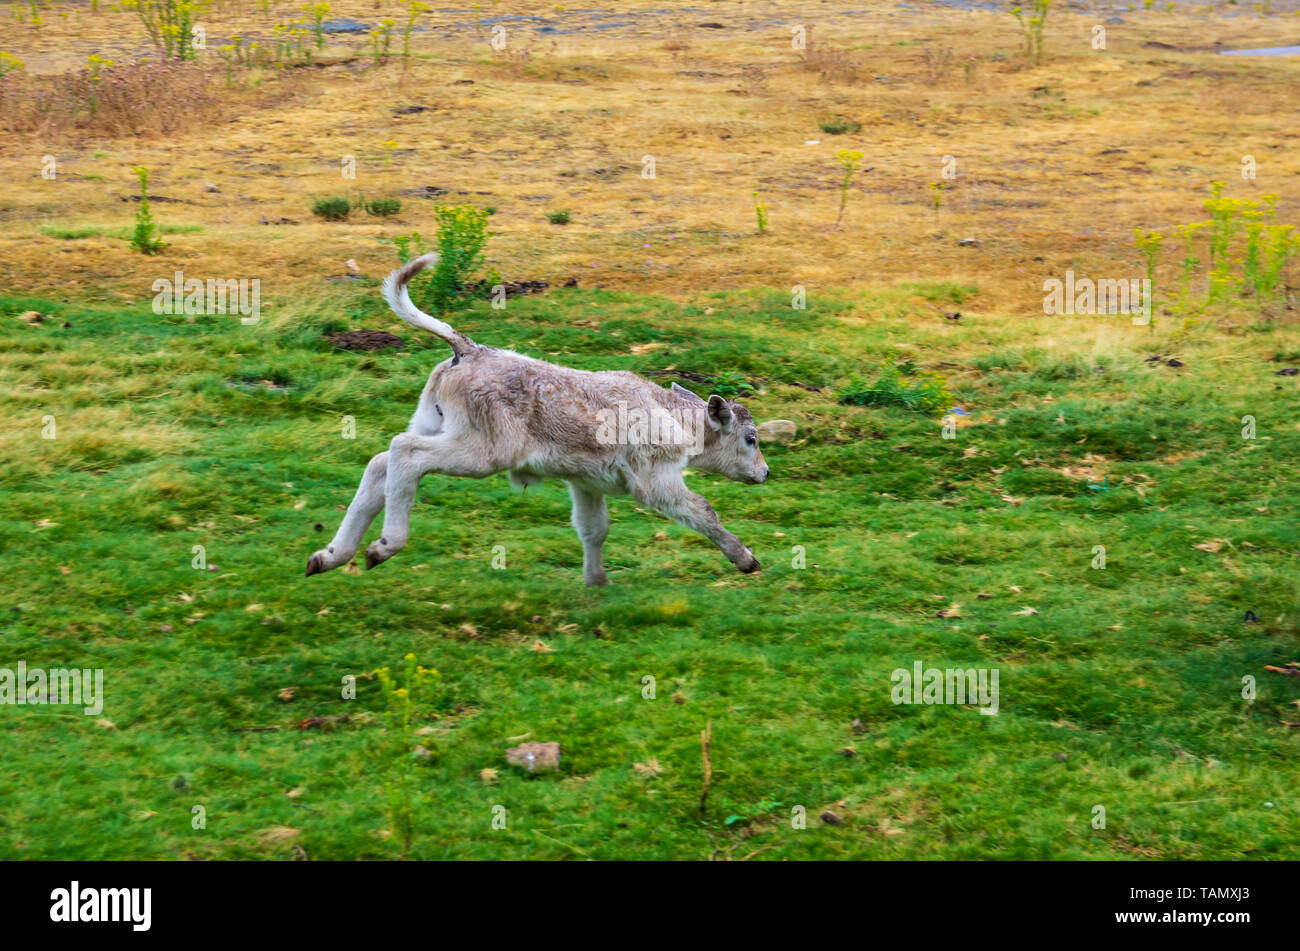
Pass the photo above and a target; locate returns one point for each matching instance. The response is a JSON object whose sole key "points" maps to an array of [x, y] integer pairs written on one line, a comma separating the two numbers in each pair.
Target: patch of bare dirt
{"points": [[364, 340]]}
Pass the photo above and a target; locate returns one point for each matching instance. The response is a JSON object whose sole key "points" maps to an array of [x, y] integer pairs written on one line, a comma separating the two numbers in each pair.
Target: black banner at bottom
{"points": [[134, 900]]}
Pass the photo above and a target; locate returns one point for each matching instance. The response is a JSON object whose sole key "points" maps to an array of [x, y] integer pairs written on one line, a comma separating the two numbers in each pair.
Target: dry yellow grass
{"points": [[1122, 685], [1056, 164]]}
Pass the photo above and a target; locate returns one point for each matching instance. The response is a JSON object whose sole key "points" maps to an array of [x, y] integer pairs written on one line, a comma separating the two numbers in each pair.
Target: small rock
{"points": [[534, 756], [1061, 756], [967, 242], [831, 819], [777, 430], [209, 187], [1289, 371]]}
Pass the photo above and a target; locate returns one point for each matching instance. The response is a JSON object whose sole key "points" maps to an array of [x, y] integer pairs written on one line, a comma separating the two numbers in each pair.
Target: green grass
{"points": [[167, 438]]}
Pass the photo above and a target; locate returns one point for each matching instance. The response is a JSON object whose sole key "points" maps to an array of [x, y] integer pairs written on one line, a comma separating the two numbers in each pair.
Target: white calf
{"points": [[486, 411]]}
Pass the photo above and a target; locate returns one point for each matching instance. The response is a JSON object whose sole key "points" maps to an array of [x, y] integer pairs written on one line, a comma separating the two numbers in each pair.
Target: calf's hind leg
{"points": [[366, 504], [410, 457], [591, 520]]}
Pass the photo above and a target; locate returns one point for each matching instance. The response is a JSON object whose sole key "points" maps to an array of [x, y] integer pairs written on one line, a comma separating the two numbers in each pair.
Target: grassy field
{"points": [[883, 543]]}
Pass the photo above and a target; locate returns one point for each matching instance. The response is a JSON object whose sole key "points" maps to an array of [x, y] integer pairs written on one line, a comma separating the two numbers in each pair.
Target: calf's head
{"points": [[730, 446]]}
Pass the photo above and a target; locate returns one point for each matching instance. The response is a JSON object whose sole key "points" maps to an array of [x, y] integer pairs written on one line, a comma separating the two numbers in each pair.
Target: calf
{"points": [[486, 411]]}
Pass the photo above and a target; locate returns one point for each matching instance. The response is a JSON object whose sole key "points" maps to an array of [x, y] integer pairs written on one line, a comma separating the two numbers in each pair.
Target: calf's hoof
{"points": [[325, 560], [378, 553], [750, 568]]}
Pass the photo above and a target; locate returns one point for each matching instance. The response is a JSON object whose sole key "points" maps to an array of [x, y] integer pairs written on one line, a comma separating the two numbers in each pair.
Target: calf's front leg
{"points": [[683, 506], [591, 520]]}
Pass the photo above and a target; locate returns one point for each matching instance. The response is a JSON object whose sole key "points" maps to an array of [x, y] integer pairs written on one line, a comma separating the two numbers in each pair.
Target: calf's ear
{"points": [[683, 391], [719, 413]]}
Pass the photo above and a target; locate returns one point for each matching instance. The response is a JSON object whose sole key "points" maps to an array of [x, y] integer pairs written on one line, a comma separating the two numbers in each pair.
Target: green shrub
{"points": [[558, 217], [144, 239], [840, 125], [331, 209], [924, 392], [1032, 29], [731, 385], [168, 23], [462, 235], [383, 207]]}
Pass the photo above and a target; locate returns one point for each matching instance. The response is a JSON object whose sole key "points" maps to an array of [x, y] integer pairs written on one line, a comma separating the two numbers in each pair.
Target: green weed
{"points": [[144, 238], [335, 208], [900, 384]]}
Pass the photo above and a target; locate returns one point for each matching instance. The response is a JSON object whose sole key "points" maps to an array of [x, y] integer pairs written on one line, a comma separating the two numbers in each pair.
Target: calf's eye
{"points": [[751, 440]]}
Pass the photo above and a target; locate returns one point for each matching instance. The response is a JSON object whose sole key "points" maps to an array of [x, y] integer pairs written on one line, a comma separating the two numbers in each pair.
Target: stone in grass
{"points": [[777, 430], [535, 757]]}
